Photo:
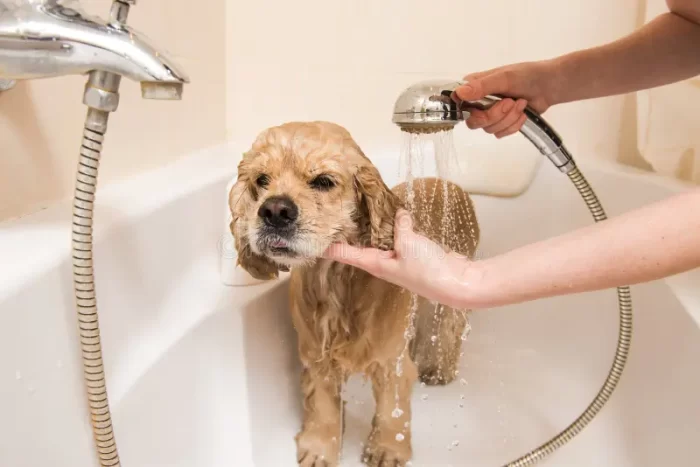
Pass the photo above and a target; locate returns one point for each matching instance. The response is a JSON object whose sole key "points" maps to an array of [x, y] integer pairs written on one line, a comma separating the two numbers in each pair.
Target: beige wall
{"points": [[41, 121], [255, 64], [347, 61]]}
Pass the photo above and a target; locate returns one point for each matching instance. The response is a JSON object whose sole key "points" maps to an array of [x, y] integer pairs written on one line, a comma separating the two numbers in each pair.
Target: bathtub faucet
{"points": [[50, 38]]}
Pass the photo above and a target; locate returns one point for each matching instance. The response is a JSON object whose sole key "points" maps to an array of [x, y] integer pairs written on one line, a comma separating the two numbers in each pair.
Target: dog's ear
{"points": [[241, 198], [377, 206]]}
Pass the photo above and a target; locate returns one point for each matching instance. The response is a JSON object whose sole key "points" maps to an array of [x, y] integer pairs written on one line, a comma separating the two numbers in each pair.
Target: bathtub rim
{"points": [[29, 258]]}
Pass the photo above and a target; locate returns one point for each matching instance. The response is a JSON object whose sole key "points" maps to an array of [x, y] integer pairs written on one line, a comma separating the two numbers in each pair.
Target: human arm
{"points": [[650, 243], [661, 52]]}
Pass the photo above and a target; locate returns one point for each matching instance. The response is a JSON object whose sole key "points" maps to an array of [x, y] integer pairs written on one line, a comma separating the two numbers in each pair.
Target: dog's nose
{"points": [[278, 211]]}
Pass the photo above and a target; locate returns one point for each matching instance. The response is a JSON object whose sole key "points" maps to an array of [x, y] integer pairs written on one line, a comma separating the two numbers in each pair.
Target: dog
{"points": [[301, 187]]}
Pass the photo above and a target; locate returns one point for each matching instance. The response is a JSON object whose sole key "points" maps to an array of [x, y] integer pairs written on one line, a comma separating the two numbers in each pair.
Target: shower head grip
{"points": [[535, 129]]}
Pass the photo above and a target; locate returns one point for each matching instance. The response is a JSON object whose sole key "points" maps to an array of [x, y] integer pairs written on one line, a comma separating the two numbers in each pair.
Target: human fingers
{"points": [[403, 228], [492, 116], [478, 88], [479, 74], [514, 128], [477, 119], [369, 259], [513, 114]]}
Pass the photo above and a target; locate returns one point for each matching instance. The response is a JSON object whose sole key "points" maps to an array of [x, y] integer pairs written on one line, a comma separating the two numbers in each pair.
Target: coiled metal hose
{"points": [[83, 276], [623, 346]]}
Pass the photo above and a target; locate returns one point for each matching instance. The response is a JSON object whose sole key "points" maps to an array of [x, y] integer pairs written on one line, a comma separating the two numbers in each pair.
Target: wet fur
{"points": [[348, 321]]}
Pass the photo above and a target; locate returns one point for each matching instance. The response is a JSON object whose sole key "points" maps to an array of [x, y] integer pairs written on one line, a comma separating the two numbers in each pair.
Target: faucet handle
{"points": [[120, 11]]}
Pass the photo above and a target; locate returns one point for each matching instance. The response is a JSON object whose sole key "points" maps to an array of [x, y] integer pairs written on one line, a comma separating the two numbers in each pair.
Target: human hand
{"points": [[529, 83], [417, 264]]}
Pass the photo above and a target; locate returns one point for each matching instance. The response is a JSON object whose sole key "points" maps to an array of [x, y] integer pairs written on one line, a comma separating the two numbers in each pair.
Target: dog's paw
{"points": [[309, 459], [384, 456], [316, 451]]}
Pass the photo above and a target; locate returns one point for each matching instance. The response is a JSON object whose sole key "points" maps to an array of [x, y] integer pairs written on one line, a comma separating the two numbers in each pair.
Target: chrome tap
{"points": [[49, 38]]}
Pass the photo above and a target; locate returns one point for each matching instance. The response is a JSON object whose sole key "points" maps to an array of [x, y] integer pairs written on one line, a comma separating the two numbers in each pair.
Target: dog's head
{"points": [[302, 186]]}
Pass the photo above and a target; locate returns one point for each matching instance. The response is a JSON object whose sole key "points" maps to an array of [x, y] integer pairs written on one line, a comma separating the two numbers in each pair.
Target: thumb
{"points": [[403, 229], [479, 87], [369, 259]]}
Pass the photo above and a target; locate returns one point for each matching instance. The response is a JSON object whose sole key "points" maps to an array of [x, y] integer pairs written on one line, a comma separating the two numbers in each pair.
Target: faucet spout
{"points": [[44, 39]]}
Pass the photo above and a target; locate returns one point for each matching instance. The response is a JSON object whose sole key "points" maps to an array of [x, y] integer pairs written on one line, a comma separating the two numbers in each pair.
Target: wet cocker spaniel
{"points": [[300, 187]]}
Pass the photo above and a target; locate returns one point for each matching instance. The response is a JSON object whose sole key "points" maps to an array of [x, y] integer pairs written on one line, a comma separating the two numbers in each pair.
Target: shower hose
{"points": [[86, 301], [623, 345], [83, 273]]}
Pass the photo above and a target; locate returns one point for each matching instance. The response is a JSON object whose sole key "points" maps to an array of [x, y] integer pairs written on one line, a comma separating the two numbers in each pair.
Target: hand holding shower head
{"points": [[432, 106]]}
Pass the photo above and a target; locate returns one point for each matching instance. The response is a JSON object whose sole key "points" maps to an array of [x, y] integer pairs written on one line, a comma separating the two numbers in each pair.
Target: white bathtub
{"points": [[204, 375]]}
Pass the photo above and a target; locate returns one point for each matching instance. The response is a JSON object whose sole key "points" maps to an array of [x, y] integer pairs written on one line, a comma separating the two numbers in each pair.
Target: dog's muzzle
{"points": [[278, 212], [278, 216]]}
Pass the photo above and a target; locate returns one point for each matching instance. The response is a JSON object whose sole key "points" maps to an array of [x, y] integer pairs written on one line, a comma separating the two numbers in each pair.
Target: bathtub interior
{"points": [[204, 374]]}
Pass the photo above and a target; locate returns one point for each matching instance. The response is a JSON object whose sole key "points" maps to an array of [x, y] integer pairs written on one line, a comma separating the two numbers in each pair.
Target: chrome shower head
{"points": [[427, 107], [431, 106]]}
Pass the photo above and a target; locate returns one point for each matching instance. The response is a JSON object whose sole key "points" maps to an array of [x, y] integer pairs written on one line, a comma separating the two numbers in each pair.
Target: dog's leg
{"points": [[318, 442], [438, 343], [389, 443]]}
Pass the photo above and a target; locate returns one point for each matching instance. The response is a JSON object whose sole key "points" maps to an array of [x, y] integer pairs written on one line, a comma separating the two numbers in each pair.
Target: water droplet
{"points": [[433, 339], [464, 337], [18, 375], [461, 396], [424, 397], [463, 382], [422, 384], [397, 412], [455, 443], [399, 437], [456, 372], [405, 425], [461, 405]]}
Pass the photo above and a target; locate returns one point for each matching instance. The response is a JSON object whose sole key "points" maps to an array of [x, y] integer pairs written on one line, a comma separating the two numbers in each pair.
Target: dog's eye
{"points": [[262, 181], [322, 182]]}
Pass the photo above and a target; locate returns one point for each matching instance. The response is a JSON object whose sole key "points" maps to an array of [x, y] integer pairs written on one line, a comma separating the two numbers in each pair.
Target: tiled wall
{"points": [[41, 121]]}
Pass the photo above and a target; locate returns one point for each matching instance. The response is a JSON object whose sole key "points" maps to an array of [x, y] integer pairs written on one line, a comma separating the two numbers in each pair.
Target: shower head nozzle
{"points": [[428, 107]]}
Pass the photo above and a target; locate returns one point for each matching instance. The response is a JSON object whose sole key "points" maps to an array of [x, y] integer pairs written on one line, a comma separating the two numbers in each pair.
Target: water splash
{"points": [[424, 156]]}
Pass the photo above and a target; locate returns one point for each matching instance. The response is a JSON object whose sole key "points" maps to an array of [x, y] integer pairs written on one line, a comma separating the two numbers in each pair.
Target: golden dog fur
{"points": [[348, 321]]}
